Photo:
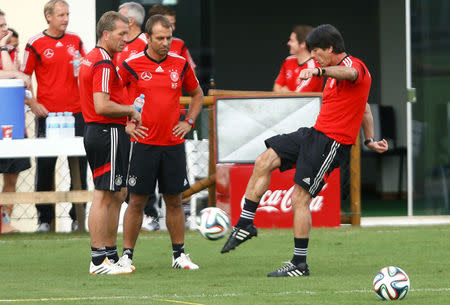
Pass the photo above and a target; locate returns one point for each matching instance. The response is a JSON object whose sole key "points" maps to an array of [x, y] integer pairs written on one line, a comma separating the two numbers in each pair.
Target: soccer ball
{"points": [[391, 283], [213, 223]]}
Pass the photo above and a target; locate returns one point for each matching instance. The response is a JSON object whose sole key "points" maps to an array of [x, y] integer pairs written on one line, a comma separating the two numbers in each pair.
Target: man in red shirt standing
{"points": [[288, 79], [314, 151], [105, 113], [178, 46], [50, 54], [160, 156], [137, 40]]}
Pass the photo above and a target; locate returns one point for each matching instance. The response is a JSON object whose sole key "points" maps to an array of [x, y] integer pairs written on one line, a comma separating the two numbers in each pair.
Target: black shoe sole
{"points": [[229, 249]]}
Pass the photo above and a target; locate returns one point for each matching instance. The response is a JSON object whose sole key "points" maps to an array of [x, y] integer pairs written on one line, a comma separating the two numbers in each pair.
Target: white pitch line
{"points": [[412, 289], [97, 298], [71, 239], [164, 298]]}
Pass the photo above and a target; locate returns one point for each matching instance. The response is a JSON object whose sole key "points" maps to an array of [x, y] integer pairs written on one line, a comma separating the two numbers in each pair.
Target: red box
{"points": [[275, 205]]}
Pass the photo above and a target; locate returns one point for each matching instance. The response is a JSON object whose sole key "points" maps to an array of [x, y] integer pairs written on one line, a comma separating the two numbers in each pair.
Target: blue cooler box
{"points": [[12, 102]]}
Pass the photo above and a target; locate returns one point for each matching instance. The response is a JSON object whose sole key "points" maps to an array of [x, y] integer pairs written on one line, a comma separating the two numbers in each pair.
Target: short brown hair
{"points": [[107, 22], [2, 13], [154, 20], [161, 9], [49, 7], [301, 31]]}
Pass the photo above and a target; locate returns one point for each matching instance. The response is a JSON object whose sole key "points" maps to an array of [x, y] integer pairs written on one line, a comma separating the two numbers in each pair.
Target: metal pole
{"points": [[411, 98]]}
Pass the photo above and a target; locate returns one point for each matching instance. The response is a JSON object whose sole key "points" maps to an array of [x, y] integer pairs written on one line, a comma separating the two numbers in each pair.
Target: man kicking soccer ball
{"points": [[313, 151]]}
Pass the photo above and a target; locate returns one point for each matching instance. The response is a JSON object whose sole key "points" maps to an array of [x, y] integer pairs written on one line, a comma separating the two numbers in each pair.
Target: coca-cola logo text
{"points": [[279, 201]]}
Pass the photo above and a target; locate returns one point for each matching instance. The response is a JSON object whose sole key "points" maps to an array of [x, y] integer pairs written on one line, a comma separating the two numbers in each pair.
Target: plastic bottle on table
{"points": [[51, 126], [69, 125], [60, 122]]}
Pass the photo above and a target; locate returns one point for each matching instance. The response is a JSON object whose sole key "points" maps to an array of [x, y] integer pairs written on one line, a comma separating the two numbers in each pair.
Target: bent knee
{"points": [[300, 197], [268, 160]]}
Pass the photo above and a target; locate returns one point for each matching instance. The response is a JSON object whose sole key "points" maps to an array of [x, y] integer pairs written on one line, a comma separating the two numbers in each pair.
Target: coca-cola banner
{"points": [[275, 209]]}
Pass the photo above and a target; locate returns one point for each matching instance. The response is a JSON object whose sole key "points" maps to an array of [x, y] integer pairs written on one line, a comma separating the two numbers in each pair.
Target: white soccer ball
{"points": [[391, 283], [213, 223]]}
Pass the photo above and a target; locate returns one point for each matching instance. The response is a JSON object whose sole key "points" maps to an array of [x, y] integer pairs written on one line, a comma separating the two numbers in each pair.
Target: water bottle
{"points": [[28, 94], [60, 122], [139, 103], [69, 125], [5, 216], [76, 63], [51, 126]]}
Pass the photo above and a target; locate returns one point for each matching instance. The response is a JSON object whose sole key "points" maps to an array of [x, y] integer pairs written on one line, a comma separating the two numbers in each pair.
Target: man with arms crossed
{"points": [[314, 151], [160, 156], [106, 115], [288, 79]]}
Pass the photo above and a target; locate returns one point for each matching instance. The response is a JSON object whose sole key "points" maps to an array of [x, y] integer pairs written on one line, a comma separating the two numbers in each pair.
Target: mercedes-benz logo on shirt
{"points": [[146, 76], [49, 53]]}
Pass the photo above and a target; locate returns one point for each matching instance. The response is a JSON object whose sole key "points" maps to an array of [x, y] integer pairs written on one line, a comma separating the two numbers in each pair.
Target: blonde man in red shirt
{"points": [[49, 55], [313, 151], [160, 156], [106, 115]]}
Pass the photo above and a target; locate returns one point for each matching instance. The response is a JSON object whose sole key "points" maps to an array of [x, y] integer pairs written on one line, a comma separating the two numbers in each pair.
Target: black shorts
{"points": [[15, 165], [106, 150], [312, 153], [151, 163]]}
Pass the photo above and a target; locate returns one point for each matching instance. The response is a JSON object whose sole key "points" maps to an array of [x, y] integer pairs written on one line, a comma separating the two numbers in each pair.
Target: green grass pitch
{"points": [[53, 269]]}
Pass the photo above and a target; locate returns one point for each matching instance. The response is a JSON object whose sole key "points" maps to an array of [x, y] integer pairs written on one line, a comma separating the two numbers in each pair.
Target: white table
{"points": [[42, 147]]}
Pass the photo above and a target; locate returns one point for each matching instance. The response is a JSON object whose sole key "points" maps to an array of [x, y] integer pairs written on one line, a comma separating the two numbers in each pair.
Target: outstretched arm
{"points": [[337, 72], [367, 125]]}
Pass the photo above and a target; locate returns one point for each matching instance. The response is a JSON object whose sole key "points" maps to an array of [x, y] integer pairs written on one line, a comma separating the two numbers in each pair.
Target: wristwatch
{"points": [[366, 142], [4, 48], [190, 121]]}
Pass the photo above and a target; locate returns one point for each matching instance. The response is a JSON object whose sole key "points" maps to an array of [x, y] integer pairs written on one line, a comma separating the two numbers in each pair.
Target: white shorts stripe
{"points": [[325, 166], [114, 146]]}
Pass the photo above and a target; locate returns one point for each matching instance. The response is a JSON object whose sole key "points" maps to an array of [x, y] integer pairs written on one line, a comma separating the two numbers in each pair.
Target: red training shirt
{"points": [[179, 47], [50, 58], [161, 82], [344, 103], [98, 74], [131, 48], [289, 76]]}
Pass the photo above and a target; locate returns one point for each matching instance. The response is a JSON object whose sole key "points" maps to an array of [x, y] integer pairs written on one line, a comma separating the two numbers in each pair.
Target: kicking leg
{"points": [[256, 187]]}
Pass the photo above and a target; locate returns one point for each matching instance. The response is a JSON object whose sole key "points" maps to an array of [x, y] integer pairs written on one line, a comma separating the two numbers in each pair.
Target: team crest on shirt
{"points": [[49, 53], [288, 74], [118, 180], [71, 49], [132, 180], [146, 76], [174, 76]]}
